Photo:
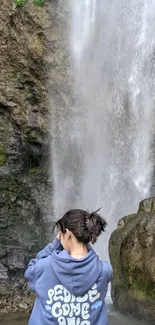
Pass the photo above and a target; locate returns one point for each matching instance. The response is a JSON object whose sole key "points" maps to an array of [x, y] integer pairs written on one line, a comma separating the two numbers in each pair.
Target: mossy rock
{"points": [[143, 287], [131, 249], [3, 157]]}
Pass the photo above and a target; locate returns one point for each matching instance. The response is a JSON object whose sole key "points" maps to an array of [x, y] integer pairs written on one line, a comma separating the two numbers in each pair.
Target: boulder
{"points": [[132, 254]]}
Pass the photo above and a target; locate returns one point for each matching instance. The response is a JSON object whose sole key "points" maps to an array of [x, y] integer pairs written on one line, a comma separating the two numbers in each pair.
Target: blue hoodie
{"points": [[69, 291]]}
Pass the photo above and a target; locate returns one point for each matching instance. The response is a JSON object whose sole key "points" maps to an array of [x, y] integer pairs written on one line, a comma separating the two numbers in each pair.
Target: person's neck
{"points": [[78, 251]]}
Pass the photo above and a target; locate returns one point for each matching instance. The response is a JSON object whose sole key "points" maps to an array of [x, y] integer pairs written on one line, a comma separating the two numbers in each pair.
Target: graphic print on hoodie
{"points": [[69, 291]]}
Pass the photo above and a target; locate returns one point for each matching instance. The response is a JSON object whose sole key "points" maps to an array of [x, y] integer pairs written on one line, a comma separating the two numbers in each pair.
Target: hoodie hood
{"points": [[76, 275]]}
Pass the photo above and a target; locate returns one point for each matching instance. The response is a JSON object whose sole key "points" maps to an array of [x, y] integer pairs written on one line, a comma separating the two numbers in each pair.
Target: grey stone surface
{"points": [[132, 254]]}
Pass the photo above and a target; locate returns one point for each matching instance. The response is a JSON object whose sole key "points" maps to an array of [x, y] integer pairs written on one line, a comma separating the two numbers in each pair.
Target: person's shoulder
{"points": [[107, 269], [43, 264], [106, 264]]}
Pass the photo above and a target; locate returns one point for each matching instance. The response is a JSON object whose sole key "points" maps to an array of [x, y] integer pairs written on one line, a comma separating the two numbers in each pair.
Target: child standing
{"points": [[68, 277]]}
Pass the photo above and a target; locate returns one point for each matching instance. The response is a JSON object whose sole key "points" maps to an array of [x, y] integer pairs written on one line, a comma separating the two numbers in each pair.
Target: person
{"points": [[68, 277]]}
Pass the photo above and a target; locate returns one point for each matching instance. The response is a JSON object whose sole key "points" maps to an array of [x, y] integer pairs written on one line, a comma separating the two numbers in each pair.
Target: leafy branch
{"points": [[20, 3]]}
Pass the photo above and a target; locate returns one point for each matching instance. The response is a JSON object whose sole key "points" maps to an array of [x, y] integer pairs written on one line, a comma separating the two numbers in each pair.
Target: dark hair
{"points": [[85, 226]]}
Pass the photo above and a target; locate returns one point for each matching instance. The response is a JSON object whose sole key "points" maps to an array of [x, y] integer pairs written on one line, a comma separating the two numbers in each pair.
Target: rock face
{"points": [[132, 254], [24, 146], [34, 61]]}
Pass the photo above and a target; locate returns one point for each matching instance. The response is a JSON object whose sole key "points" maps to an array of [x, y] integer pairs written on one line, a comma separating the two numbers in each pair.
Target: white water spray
{"points": [[101, 155]]}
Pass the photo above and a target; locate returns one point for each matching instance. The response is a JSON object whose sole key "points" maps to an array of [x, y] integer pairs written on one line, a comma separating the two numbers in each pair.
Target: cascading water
{"points": [[101, 154]]}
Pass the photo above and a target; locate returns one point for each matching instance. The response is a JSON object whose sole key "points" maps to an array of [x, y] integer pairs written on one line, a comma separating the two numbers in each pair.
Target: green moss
{"points": [[12, 187], [143, 287], [38, 176], [140, 295], [20, 2], [39, 2], [34, 171], [35, 137], [3, 157]]}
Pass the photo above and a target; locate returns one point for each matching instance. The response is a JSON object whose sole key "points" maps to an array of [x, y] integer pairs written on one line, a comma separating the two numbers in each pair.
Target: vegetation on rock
{"points": [[33, 45], [23, 2], [20, 2], [25, 192], [3, 157], [39, 2], [131, 250]]}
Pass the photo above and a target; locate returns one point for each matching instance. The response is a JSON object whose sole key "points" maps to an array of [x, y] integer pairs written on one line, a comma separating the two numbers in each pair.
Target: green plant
{"points": [[20, 2], [39, 2]]}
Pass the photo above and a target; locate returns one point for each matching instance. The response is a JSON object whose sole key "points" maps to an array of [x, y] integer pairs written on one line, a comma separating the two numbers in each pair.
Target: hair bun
{"points": [[95, 224]]}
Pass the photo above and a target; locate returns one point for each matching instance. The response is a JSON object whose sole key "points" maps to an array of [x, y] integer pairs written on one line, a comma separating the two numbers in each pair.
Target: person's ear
{"points": [[59, 235], [68, 234]]}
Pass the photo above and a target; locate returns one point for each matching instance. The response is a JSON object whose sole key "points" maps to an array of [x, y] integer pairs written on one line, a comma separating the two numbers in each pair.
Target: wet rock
{"points": [[25, 192], [34, 47], [3, 272], [132, 254]]}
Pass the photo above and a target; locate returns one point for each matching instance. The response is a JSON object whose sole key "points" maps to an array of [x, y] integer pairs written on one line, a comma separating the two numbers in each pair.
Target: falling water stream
{"points": [[101, 157], [102, 152]]}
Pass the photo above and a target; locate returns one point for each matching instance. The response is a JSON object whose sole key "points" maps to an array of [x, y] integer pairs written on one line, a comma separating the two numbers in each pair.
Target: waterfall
{"points": [[102, 154]]}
